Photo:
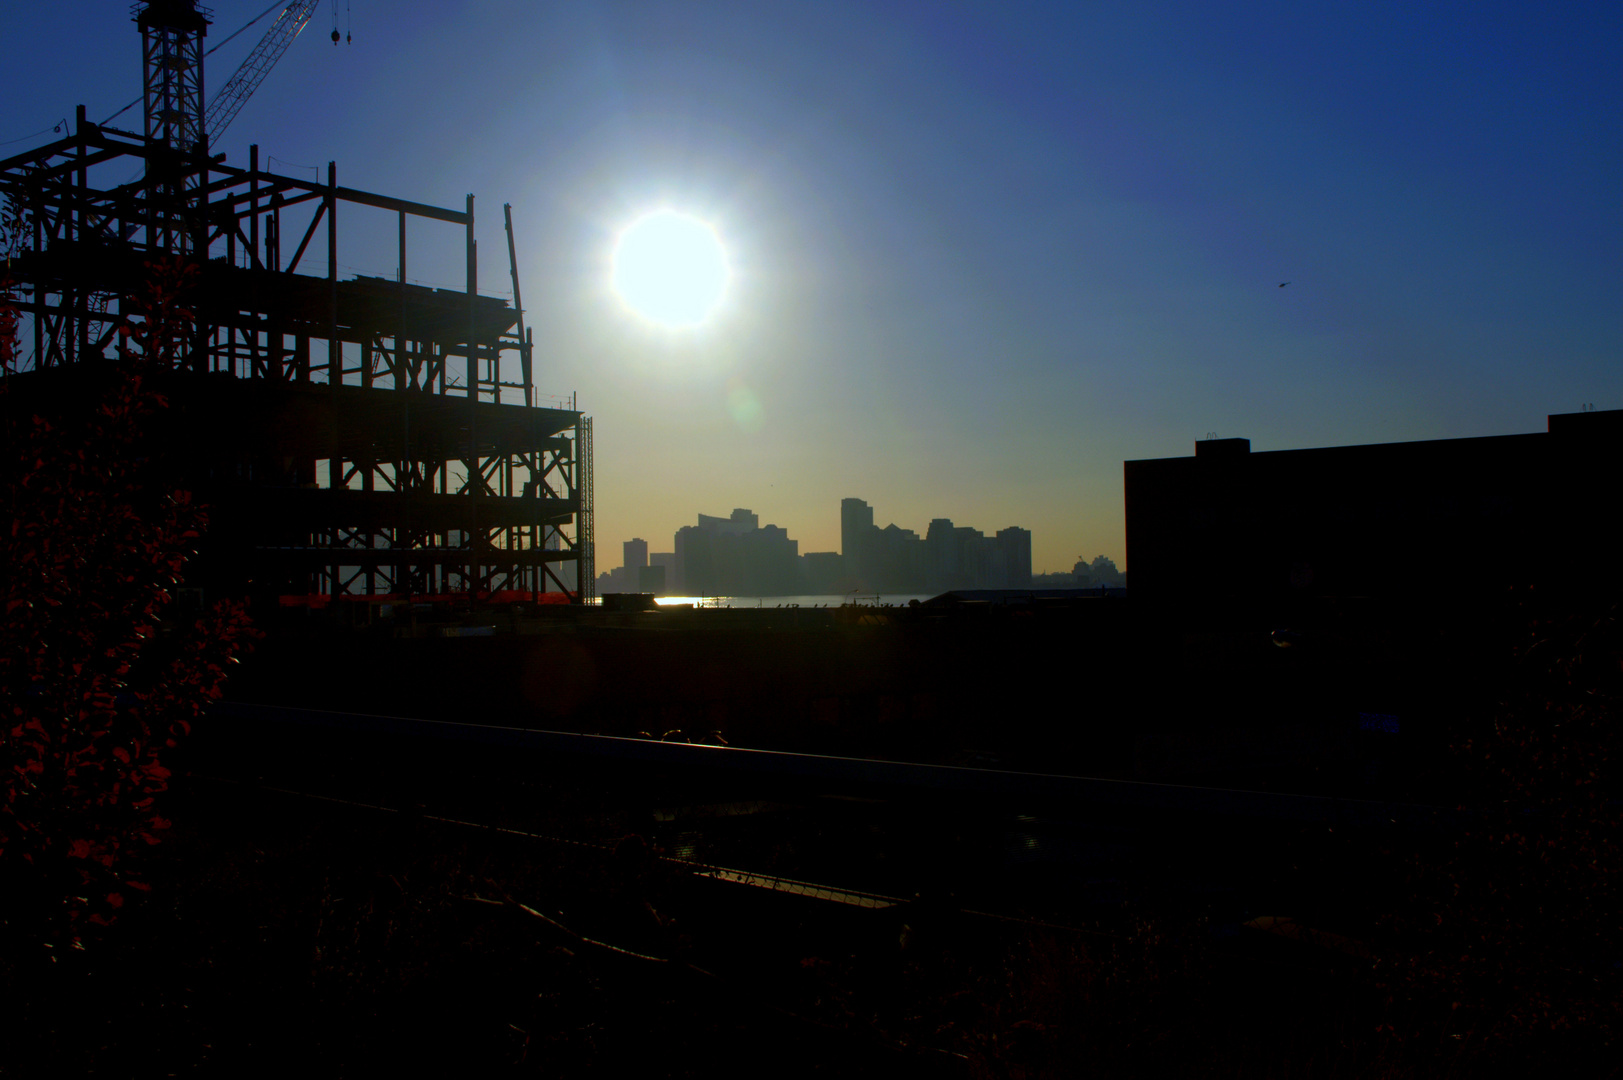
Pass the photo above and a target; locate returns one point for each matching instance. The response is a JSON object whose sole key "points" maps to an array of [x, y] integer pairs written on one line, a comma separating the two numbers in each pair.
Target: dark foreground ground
{"points": [[346, 905], [292, 934]]}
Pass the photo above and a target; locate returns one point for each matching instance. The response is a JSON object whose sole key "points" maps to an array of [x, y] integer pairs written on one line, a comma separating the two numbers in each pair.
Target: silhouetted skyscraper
{"points": [[736, 556], [1014, 547], [636, 553], [941, 554], [856, 522]]}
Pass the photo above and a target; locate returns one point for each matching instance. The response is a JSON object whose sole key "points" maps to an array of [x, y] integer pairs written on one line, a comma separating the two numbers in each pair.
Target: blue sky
{"points": [[983, 253]]}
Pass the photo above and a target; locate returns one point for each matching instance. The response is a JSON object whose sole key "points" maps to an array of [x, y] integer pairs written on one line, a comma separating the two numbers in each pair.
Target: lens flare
{"points": [[744, 407]]}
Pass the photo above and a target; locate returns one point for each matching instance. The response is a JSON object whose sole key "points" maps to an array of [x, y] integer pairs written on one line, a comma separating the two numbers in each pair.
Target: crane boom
{"points": [[240, 87]]}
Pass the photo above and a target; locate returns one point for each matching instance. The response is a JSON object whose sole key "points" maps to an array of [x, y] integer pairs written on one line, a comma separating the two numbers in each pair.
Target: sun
{"points": [[670, 268]]}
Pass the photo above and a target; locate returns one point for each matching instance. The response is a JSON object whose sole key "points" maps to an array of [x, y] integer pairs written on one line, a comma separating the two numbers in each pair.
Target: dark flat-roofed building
{"points": [[1441, 518]]}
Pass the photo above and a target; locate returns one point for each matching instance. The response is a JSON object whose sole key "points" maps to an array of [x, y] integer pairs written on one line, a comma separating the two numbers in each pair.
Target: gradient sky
{"points": [[983, 253]]}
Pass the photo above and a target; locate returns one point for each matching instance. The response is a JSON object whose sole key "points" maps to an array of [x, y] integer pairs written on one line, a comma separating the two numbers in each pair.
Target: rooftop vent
{"points": [[1222, 448]]}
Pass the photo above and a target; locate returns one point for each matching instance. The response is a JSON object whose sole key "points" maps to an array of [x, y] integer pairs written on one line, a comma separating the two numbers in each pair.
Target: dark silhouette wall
{"points": [[1444, 518]]}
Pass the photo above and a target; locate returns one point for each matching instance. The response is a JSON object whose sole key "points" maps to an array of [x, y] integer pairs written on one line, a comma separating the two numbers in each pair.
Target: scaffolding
{"points": [[363, 436]]}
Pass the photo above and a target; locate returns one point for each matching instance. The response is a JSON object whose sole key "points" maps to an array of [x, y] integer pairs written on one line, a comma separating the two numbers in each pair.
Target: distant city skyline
{"points": [[738, 556]]}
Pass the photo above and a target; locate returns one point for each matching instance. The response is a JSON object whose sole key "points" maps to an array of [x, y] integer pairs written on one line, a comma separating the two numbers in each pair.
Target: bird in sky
{"points": [[1282, 284]]}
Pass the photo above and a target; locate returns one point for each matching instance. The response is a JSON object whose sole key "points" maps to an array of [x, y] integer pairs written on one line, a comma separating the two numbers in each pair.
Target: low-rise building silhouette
{"points": [[823, 572], [1443, 518], [651, 580]]}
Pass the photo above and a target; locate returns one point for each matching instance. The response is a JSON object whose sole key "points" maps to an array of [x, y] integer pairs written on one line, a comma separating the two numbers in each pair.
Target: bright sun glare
{"points": [[670, 268]]}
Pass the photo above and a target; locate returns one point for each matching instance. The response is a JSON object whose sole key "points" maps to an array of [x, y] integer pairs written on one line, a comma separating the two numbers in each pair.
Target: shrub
{"points": [[94, 685]]}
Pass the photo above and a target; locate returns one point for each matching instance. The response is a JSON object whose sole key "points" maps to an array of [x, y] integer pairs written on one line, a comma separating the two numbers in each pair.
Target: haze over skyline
{"points": [[981, 255]]}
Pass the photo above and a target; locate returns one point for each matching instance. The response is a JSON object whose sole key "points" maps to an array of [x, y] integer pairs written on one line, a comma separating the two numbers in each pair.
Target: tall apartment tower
{"points": [[856, 524], [1014, 550], [636, 554]]}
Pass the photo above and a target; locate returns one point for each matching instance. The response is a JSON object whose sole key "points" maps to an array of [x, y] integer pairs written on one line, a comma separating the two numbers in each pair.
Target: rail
{"points": [[877, 775]]}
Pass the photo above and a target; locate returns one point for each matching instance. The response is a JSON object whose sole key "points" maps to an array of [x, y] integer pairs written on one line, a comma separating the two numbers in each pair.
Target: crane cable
{"points": [[210, 52]]}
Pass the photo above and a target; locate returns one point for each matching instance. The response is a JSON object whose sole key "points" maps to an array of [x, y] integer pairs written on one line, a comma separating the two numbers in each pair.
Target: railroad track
{"points": [[1068, 854]]}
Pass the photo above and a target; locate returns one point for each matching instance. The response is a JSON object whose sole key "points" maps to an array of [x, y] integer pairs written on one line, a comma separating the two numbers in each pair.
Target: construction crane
{"points": [[240, 87]]}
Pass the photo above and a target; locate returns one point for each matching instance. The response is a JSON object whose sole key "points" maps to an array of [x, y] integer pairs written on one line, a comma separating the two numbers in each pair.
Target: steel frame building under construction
{"points": [[358, 437]]}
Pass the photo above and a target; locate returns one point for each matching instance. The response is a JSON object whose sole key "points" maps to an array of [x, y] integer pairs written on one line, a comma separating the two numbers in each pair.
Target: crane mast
{"points": [[172, 33], [235, 93]]}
